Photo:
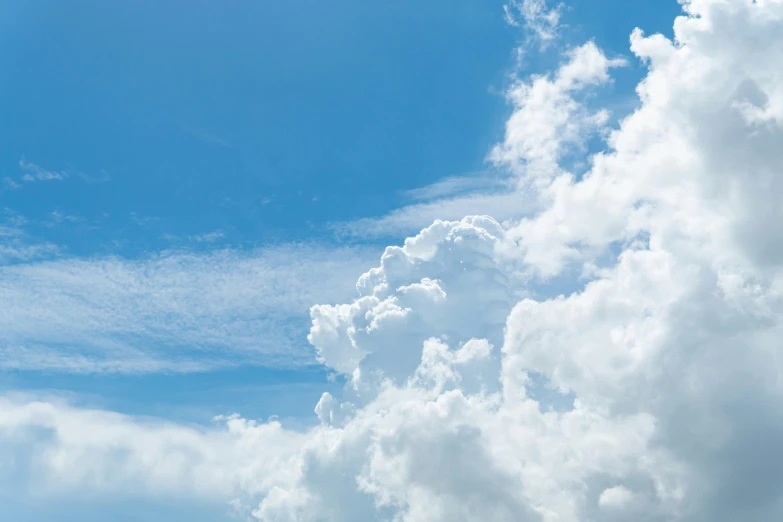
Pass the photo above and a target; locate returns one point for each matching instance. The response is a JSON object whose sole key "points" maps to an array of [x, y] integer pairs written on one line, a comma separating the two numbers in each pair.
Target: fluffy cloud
{"points": [[420, 290], [78, 449], [670, 347]]}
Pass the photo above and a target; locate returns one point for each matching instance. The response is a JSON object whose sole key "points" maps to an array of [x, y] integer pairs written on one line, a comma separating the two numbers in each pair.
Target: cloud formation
{"points": [[536, 16], [671, 346], [33, 172], [177, 311]]}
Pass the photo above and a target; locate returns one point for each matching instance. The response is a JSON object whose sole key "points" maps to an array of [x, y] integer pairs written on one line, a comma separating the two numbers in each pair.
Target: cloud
{"points": [[33, 172], [114, 453], [504, 204], [550, 122], [204, 135], [670, 347], [101, 177], [617, 497], [10, 183], [17, 246], [457, 185], [542, 21], [176, 311], [418, 289], [209, 237]]}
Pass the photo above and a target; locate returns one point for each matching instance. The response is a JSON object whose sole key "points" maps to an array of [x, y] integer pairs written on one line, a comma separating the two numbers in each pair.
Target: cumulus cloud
{"points": [[670, 347], [549, 123]]}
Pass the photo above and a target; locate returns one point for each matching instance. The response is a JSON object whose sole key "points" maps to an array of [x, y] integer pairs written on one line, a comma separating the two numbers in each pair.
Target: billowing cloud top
{"points": [[671, 347]]}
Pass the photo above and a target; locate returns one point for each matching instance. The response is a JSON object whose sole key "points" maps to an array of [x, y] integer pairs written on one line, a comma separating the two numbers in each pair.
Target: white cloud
{"points": [[209, 237], [536, 16], [672, 349], [419, 290], [504, 205], [548, 123], [33, 172], [10, 183], [615, 497], [457, 185], [176, 311], [115, 454], [16, 246]]}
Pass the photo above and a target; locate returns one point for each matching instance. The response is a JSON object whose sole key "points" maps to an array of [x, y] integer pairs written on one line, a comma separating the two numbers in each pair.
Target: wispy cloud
{"points": [[203, 135], [101, 177], [550, 121], [209, 237], [456, 185], [32, 172], [173, 312], [10, 183], [489, 192], [501, 205], [16, 246], [142, 221], [537, 17], [57, 217]]}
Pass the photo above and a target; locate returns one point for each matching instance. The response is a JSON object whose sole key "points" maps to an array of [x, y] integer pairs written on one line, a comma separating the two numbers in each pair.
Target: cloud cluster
{"points": [[671, 347]]}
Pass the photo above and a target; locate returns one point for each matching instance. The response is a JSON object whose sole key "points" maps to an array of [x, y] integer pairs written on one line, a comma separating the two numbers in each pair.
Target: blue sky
{"points": [[264, 122], [153, 151]]}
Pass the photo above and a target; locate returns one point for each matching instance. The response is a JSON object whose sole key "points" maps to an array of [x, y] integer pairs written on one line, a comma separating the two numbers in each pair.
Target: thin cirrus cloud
{"points": [[16, 246], [502, 204], [32, 172], [173, 312], [671, 347], [541, 19]]}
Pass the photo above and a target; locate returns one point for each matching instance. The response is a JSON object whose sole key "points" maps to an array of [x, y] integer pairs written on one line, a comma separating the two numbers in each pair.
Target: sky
{"points": [[404, 261]]}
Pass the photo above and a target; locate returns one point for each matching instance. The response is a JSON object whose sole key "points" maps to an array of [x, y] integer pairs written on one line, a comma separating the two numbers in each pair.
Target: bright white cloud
{"points": [[548, 124], [548, 121], [672, 349], [114, 454]]}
